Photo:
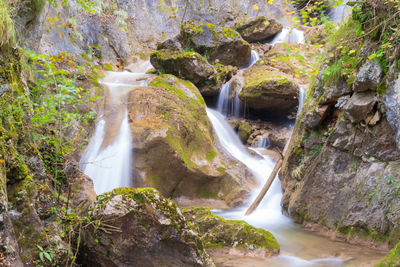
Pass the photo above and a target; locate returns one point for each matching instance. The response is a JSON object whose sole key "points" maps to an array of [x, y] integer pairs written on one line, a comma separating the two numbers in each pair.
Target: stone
{"points": [[315, 34], [264, 90], [218, 44], [174, 147], [258, 28], [359, 106], [218, 232], [332, 93], [139, 227], [368, 77], [244, 131], [186, 65], [391, 99]]}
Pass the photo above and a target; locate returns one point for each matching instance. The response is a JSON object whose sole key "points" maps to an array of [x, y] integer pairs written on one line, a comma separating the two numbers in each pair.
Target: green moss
{"points": [[218, 232], [210, 156], [392, 259]]}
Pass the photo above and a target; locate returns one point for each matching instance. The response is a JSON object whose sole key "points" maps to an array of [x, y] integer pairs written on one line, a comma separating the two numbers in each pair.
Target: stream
{"points": [[109, 155]]}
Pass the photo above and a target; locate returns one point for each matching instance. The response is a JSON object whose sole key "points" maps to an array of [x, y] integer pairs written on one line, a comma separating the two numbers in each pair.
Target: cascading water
{"points": [[338, 13], [264, 142], [229, 103], [107, 159], [289, 35]]}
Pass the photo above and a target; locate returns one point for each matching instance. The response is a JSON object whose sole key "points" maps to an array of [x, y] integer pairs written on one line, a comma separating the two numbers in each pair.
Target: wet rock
{"points": [[269, 90], [174, 148], [218, 44], [244, 131], [186, 65], [392, 103], [368, 77], [218, 232], [359, 106], [138, 227], [258, 29]]}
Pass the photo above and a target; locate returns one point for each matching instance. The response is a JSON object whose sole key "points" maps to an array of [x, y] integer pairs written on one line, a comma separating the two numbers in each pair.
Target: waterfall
{"points": [[289, 35], [302, 97], [338, 13], [264, 142], [107, 159]]}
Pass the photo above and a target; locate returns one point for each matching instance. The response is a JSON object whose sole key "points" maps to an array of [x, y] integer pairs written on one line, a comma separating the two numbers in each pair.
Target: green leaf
{"points": [[372, 56], [47, 255], [41, 256], [39, 247]]}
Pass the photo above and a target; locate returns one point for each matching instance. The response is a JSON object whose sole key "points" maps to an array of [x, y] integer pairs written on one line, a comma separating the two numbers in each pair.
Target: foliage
{"points": [[7, 35]]}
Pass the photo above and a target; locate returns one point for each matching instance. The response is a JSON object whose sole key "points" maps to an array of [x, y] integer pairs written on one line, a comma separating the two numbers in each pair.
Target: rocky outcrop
{"points": [[392, 102], [139, 227], [267, 89], [368, 77], [173, 144], [258, 29], [217, 44], [217, 232], [359, 106], [193, 67]]}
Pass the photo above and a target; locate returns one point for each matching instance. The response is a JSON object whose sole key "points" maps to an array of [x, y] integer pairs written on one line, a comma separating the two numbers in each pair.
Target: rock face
{"points": [[138, 227], [343, 167], [218, 44], [218, 232], [392, 103], [269, 90], [173, 145], [258, 29]]}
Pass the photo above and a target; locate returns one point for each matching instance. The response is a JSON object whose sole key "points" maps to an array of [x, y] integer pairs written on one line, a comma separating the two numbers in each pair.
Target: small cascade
{"points": [[338, 13], [229, 103], [264, 142], [302, 98], [289, 35], [107, 159]]}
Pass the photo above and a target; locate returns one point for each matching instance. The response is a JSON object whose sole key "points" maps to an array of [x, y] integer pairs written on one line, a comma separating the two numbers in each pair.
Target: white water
{"points": [[264, 142], [107, 159], [289, 35], [340, 12]]}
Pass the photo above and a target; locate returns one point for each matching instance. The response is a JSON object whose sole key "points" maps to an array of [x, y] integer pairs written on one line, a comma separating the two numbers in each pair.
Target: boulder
{"points": [[269, 90], [244, 131], [193, 67], [139, 227], [218, 232], [368, 77], [315, 34], [258, 28], [218, 44], [174, 148], [359, 106]]}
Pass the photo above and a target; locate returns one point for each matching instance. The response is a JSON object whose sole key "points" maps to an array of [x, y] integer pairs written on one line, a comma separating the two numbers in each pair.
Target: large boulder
{"points": [[266, 89], [218, 232], [217, 43], [368, 77], [139, 227], [258, 28], [173, 144], [193, 67]]}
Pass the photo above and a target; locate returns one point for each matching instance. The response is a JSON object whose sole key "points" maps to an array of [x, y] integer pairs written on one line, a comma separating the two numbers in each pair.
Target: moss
{"points": [[218, 232], [210, 156], [392, 259]]}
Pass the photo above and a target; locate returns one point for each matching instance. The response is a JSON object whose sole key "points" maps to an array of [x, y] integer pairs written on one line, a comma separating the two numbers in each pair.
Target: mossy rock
{"points": [[268, 89], [392, 259], [217, 43], [190, 66], [173, 143], [138, 225], [217, 232], [244, 131], [258, 28]]}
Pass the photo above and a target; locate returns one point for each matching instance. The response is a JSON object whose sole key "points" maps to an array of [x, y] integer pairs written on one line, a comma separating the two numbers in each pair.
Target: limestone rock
{"points": [[268, 90], [173, 144], [359, 106], [258, 28], [218, 44], [368, 77], [216, 232], [392, 103], [138, 227]]}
